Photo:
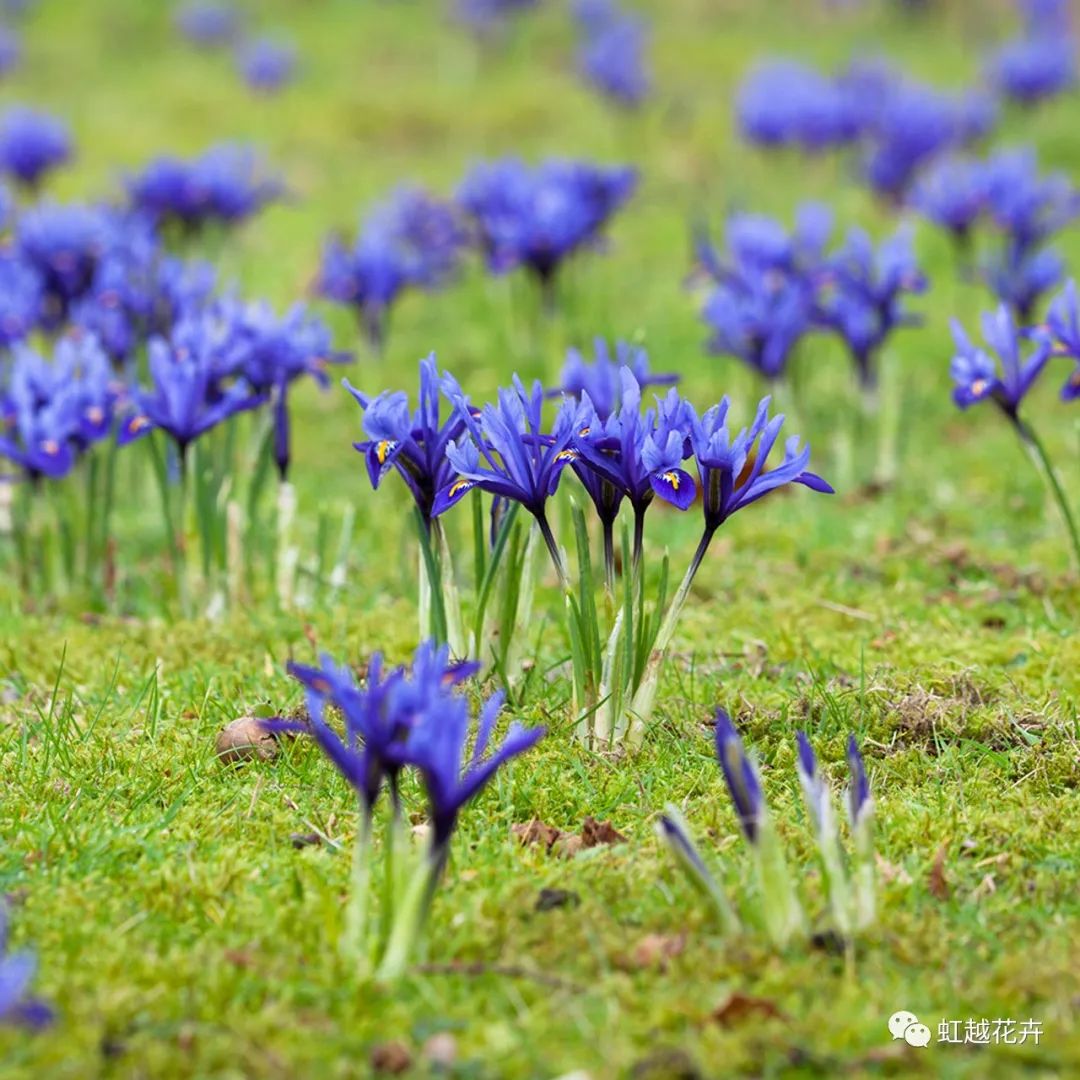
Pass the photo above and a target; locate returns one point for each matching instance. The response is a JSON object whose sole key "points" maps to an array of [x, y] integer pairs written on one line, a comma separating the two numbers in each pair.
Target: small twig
{"points": [[255, 795], [843, 609], [508, 971]]}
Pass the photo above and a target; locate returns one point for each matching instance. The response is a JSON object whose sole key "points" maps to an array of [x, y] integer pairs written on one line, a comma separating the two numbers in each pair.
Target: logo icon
{"points": [[905, 1025]]}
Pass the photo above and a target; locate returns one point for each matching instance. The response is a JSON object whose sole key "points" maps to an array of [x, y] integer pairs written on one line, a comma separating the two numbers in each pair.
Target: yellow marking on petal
{"points": [[566, 455], [461, 484], [672, 478], [137, 423], [51, 447], [95, 414], [383, 448], [584, 431], [979, 387]]}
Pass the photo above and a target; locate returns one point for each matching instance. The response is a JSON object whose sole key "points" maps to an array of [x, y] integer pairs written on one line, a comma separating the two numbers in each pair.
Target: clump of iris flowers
{"points": [[266, 64], [1005, 370], [410, 241], [537, 217], [897, 125], [600, 377], [10, 50], [487, 18], [1033, 68], [53, 414], [783, 103], [64, 245], [188, 396], [270, 352], [850, 882], [207, 23], [612, 55], [1027, 208], [863, 300], [634, 456], [762, 294], [1003, 194], [399, 722], [138, 291], [32, 144], [222, 186]]}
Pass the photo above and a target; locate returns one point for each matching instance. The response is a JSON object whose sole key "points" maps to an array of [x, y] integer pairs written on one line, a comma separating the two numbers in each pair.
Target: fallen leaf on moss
{"points": [[741, 1007], [594, 833], [536, 832]]}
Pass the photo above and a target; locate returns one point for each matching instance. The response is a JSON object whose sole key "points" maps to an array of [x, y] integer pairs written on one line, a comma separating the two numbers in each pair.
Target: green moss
{"points": [[181, 934]]}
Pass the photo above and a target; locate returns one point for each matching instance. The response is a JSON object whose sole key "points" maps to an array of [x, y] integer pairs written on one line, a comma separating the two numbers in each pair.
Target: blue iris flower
{"points": [[17, 1006], [52, 412], [1028, 70], [506, 452], [224, 185], [1063, 328], [612, 55], [414, 444], [32, 144], [271, 352], [266, 64], [601, 377], [978, 376], [185, 398], [410, 241], [537, 217], [207, 23], [437, 746], [634, 455], [952, 194], [733, 470], [741, 776], [865, 301], [782, 103]]}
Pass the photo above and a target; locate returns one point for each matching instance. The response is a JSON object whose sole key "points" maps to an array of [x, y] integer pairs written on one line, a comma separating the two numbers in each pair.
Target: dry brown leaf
{"points": [[741, 1007], [536, 832], [938, 883], [594, 833], [567, 846]]}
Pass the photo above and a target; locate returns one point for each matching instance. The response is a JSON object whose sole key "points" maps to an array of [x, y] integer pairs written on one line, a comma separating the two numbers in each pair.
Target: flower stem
{"points": [[609, 557], [1045, 467], [410, 916], [354, 941], [639, 534], [645, 695], [553, 550]]}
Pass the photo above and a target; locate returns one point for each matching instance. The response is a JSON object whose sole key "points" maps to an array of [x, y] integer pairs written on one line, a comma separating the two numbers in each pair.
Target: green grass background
{"points": [[178, 931]]}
